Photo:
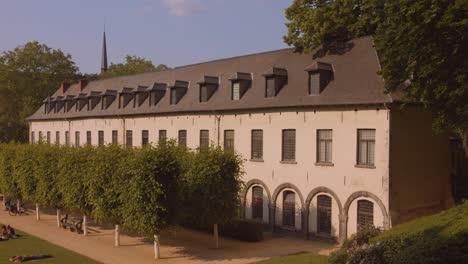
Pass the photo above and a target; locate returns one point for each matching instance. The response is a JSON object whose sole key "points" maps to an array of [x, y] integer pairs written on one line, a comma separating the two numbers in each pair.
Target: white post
{"points": [[117, 236], [38, 216], [156, 247], [216, 237], [18, 205], [58, 217], [85, 226]]}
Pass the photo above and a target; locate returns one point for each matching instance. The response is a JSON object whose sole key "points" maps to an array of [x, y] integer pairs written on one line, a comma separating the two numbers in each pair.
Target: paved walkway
{"points": [[185, 247]]}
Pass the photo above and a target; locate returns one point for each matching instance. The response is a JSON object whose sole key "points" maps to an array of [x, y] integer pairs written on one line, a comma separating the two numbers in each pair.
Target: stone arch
{"points": [[312, 194], [249, 185], [365, 194], [277, 191]]}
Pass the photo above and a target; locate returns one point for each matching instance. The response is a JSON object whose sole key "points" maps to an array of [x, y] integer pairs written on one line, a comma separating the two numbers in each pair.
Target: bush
{"points": [[242, 230], [356, 247]]}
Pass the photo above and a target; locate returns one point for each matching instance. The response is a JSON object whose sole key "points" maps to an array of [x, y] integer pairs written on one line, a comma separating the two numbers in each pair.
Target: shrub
{"points": [[242, 230]]}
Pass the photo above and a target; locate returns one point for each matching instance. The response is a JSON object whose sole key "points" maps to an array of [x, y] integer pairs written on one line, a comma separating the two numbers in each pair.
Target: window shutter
{"points": [[289, 145]]}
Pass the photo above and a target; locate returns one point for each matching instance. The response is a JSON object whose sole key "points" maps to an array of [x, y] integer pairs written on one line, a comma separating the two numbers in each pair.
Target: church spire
{"points": [[104, 54]]}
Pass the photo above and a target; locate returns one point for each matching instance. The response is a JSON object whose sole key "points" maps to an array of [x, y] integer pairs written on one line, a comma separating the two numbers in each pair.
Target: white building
{"points": [[326, 150]]}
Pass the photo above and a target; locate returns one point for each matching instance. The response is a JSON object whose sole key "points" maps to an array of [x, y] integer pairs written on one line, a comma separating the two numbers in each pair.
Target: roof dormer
{"points": [[94, 99], [126, 95], [320, 74], [49, 104], [178, 90], [140, 94], [108, 97], [240, 83], [81, 101], [275, 79], [59, 103], [156, 93], [208, 86], [69, 102]]}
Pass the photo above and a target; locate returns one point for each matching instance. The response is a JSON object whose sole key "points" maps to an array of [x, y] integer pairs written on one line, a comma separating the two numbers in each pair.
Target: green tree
{"points": [[28, 74], [132, 65], [422, 45]]}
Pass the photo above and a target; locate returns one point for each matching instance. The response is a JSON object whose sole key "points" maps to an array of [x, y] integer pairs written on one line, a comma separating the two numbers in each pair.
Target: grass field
{"points": [[30, 245], [303, 258]]}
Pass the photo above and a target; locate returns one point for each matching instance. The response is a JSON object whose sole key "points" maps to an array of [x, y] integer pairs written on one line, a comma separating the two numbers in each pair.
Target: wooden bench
{"points": [[72, 223]]}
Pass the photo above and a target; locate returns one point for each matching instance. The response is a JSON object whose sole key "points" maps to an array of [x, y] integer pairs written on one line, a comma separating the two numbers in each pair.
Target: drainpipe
{"points": [[387, 222], [217, 127], [123, 132]]}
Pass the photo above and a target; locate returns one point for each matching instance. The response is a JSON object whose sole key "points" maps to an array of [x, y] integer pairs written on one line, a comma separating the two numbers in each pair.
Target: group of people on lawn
{"points": [[7, 233]]}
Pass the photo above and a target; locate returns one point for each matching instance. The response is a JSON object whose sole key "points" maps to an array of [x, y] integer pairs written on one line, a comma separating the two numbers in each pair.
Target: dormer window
{"points": [[94, 99], [275, 79], [108, 97], [141, 94], [208, 86], [69, 102], [156, 93], [59, 103], [178, 90], [125, 97], [48, 104], [82, 101], [241, 82], [320, 74]]}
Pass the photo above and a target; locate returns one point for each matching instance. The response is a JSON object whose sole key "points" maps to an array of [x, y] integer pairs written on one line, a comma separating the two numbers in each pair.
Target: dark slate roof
{"points": [[355, 82]]}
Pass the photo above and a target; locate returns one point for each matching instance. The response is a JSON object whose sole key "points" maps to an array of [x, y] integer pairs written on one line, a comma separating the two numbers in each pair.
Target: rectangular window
{"points": [[100, 138], [88, 138], [57, 137], [289, 145], [366, 147], [236, 91], [115, 137], [204, 138], [40, 139], [33, 140], [144, 137], [67, 138], [129, 138], [162, 135], [182, 137], [77, 138], [314, 83], [48, 137], [257, 144], [270, 89], [229, 140], [203, 93], [324, 145], [173, 96], [365, 215]]}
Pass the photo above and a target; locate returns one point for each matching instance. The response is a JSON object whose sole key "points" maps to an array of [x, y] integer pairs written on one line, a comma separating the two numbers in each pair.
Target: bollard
{"points": [[85, 226], [58, 217], [216, 237], [38, 216], [117, 236], [156, 247]]}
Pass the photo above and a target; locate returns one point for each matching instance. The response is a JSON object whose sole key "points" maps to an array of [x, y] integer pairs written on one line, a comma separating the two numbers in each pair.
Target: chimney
{"points": [[64, 87], [82, 84]]}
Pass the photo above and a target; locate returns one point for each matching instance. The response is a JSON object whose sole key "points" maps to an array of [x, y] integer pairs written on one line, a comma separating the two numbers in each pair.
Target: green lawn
{"points": [[30, 245], [302, 258]]}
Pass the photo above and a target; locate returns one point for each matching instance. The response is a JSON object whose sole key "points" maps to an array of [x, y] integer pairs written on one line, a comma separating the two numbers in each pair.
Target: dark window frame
{"points": [[257, 203], [328, 147], [129, 138], [162, 135], [182, 137], [324, 214], [204, 138], [370, 145], [228, 143], [365, 214], [288, 152], [115, 137], [256, 145], [289, 210], [77, 138], [89, 140], [101, 138], [144, 137]]}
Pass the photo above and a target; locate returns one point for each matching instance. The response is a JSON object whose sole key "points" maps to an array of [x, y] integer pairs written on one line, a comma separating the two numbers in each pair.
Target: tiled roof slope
{"points": [[355, 82]]}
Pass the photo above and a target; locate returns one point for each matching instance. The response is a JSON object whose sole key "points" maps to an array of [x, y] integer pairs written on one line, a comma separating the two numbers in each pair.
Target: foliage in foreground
{"points": [[143, 189], [440, 238], [301, 258], [422, 43]]}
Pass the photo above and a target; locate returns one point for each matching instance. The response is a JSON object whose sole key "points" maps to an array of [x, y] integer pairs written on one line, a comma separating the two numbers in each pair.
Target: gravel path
{"points": [[185, 246]]}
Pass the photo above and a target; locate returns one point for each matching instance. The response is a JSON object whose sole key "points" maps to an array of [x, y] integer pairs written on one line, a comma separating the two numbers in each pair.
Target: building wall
{"points": [[420, 165], [344, 179]]}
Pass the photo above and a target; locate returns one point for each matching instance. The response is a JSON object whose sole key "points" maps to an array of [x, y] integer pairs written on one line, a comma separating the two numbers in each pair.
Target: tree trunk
{"points": [[58, 217], [85, 226], [4, 202], [38, 216], [216, 236], [156, 247], [117, 236]]}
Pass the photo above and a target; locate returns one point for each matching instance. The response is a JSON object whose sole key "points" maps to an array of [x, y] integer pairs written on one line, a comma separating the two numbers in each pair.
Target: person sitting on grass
{"points": [[4, 233], [11, 232]]}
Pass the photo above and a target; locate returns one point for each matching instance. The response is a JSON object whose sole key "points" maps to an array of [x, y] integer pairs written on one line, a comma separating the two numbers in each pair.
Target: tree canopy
{"points": [[28, 74], [422, 45], [132, 65]]}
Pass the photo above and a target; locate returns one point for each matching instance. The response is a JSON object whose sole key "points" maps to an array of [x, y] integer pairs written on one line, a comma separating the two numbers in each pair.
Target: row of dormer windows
{"points": [[320, 74], [324, 142]]}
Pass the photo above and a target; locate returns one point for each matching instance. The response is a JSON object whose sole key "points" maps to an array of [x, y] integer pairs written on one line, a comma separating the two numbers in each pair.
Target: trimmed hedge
{"points": [[143, 189]]}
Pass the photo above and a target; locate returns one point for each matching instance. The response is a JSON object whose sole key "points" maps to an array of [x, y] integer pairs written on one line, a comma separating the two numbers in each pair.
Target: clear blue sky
{"points": [[173, 32]]}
